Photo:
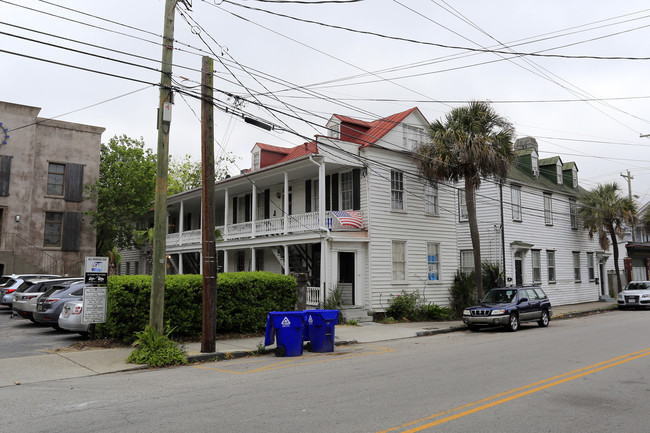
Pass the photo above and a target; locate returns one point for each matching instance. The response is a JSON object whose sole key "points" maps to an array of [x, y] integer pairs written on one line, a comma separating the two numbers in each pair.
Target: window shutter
{"points": [[71, 231], [308, 196], [247, 207], [234, 210], [267, 203], [328, 193], [74, 174], [5, 174], [356, 189], [335, 191]]}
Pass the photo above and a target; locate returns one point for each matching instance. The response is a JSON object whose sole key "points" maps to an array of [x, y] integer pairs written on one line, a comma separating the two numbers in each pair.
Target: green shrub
{"points": [[463, 293], [155, 349], [243, 302], [411, 306]]}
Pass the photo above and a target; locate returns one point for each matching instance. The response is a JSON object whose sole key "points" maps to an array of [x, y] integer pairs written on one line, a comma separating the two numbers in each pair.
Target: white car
{"points": [[635, 294], [70, 318]]}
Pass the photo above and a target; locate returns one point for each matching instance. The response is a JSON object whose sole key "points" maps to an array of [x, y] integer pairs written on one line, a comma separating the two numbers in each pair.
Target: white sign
{"points": [[96, 264], [286, 322], [94, 308]]}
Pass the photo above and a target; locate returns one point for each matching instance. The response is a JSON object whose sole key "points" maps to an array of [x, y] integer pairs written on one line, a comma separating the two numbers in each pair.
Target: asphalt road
{"points": [[21, 337], [587, 374]]}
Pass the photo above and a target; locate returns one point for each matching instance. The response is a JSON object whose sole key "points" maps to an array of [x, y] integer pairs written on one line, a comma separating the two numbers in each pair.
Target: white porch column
{"points": [[180, 263], [321, 194], [253, 263], [286, 260], [225, 260], [253, 208], [323, 269], [286, 203], [180, 224], [226, 208]]}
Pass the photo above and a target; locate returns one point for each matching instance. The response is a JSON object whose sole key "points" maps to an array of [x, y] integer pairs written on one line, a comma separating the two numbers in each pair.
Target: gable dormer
{"points": [[551, 169], [570, 174], [527, 155], [263, 155]]}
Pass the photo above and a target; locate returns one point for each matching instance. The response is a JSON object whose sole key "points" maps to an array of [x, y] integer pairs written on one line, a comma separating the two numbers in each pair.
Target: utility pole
{"points": [[208, 250], [160, 211], [629, 178]]}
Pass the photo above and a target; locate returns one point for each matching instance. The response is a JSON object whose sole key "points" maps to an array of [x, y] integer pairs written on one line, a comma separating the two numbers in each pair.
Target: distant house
{"points": [[44, 165], [530, 226], [347, 209]]}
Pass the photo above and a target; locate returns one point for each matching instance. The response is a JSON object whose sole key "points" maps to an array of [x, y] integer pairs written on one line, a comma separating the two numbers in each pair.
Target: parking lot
{"points": [[20, 337]]}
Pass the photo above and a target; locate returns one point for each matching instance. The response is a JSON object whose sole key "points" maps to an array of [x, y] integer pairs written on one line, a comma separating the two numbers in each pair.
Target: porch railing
{"points": [[299, 223], [313, 296]]}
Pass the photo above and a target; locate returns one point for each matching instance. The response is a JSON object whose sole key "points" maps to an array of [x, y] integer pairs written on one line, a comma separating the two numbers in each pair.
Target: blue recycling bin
{"points": [[287, 328], [319, 329]]}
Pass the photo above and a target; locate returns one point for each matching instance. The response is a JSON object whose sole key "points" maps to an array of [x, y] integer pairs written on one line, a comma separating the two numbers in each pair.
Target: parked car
{"points": [[70, 318], [50, 304], [635, 294], [509, 307], [27, 294], [12, 282]]}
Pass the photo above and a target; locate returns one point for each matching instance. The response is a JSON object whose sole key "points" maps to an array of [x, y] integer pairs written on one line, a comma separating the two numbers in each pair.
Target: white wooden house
{"points": [[348, 209], [530, 224]]}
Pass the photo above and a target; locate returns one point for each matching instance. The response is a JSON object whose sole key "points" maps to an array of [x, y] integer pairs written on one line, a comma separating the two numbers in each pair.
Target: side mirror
{"points": [[524, 299]]}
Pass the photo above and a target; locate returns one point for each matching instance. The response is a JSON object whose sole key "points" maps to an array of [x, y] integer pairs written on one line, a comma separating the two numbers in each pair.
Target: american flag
{"points": [[349, 219]]}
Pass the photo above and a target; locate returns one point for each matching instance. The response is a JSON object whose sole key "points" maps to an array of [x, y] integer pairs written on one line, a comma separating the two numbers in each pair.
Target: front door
{"points": [[519, 276], [346, 277]]}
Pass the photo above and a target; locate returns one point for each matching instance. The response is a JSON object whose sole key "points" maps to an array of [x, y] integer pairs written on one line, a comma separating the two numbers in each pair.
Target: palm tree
{"points": [[472, 142], [606, 212], [114, 261]]}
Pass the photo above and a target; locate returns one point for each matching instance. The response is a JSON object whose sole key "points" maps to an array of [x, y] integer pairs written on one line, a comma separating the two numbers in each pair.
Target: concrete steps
{"points": [[358, 314]]}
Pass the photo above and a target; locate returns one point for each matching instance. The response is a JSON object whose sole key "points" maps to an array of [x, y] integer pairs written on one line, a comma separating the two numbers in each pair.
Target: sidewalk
{"points": [[63, 365]]}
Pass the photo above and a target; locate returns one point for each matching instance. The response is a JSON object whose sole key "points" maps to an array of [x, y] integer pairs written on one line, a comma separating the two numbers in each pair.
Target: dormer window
{"points": [[334, 130], [574, 174], [534, 162], [559, 173], [413, 136], [256, 160]]}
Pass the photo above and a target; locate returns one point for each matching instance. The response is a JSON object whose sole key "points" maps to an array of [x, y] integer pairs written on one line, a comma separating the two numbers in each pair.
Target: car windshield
{"points": [[499, 296], [637, 286], [24, 286]]}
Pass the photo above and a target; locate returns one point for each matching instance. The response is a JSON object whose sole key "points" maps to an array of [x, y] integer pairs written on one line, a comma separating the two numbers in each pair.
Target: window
{"points": [[53, 225], [516, 202], [548, 209], [558, 170], [347, 191], [576, 267], [334, 130], [590, 267], [431, 198], [462, 206], [259, 259], [55, 179], [550, 263], [574, 174], [315, 195], [261, 206], [413, 136], [534, 161], [573, 211], [537, 266], [467, 261], [396, 190], [433, 261], [399, 261], [241, 210], [256, 160], [5, 175]]}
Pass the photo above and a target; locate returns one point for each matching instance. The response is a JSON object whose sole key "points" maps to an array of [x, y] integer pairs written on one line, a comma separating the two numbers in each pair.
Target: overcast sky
{"points": [[584, 97]]}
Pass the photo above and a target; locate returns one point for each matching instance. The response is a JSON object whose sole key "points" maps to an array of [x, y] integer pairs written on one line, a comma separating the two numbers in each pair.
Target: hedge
{"points": [[243, 302]]}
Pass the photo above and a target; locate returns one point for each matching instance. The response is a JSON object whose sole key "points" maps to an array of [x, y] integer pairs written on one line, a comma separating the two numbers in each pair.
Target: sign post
{"points": [[94, 297]]}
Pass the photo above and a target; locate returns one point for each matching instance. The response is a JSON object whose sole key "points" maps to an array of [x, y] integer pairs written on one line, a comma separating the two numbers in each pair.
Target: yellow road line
{"points": [[519, 392]]}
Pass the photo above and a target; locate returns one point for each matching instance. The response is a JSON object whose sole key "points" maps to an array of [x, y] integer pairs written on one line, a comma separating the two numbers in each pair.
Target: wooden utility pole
{"points": [[629, 178], [160, 211], [208, 250]]}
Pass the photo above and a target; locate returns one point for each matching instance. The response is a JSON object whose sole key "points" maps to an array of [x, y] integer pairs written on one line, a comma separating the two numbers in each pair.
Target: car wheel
{"points": [[543, 321], [513, 322]]}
